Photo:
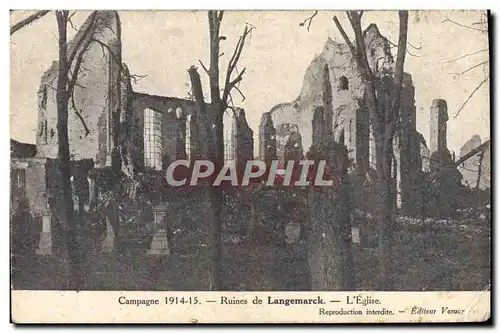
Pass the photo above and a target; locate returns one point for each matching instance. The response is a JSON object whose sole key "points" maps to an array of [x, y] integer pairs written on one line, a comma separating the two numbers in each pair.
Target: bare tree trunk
{"points": [[207, 151], [386, 215], [329, 237], [62, 98], [383, 123], [218, 106], [216, 115]]}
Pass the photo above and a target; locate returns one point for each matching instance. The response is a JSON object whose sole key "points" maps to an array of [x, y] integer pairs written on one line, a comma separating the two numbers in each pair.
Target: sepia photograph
{"points": [[251, 151]]}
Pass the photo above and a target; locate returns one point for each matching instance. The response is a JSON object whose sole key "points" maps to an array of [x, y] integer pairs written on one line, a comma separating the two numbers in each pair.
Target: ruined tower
{"points": [[437, 143], [95, 109], [439, 117]]}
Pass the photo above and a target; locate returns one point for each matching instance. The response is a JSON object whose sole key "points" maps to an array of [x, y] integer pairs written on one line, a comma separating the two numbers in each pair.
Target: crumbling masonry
{"points": [[348, 118]]}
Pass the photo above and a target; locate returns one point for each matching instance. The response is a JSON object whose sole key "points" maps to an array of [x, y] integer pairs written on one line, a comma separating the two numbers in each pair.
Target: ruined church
{"points": [[303, 118], [111, 126], [108, 119]]}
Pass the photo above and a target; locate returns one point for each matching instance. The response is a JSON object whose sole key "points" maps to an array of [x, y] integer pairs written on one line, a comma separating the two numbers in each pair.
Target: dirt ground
{"points": [[450, 256]]}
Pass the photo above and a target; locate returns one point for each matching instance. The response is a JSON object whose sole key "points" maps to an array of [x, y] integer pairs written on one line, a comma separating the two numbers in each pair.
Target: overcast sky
{"points": [[164, 44]]}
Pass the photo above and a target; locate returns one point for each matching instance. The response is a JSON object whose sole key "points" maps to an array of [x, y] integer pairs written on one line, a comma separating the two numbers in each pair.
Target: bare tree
{"points": [[62, 98], [329, 225], [210, 121], [479, 28], [69, 71], [383, 123]]}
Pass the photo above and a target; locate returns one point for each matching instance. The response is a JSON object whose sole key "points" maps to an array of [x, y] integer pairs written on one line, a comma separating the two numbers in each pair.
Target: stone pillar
{"points": [[439, 117], [439, 154], [45, 244]]}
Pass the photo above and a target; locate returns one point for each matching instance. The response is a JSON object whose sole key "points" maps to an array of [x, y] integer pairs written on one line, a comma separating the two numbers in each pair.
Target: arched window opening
{"points": [[343, 83], [152, 140]]}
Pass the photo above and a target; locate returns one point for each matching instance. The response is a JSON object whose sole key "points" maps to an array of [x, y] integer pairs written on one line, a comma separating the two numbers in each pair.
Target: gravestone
{"points": [[159, 244]]}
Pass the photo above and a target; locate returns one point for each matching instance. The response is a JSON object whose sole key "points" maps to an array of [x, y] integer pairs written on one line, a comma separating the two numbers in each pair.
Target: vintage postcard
{"points": [[250, 166]]}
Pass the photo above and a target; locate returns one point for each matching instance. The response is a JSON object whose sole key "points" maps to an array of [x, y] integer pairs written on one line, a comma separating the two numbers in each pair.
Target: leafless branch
{"points": [[466, 55], [79, 85], [113, 55], [87, 131], [136, 77], [344, 35], [233, 62], [473, 152], [470, 96], [238, 90], [415, 47], [308, 20], [463, 25], [204, 67], [238, 78], [361, 56], [76, 67], [392, 114], [230, 100], [30, 19], [407, 51], [71, 22], [85, 38], [472, 67]]}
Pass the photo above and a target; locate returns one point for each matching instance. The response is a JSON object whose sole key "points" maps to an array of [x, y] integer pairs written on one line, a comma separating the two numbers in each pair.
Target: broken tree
{"points": [[383, 123], [210, 121]]}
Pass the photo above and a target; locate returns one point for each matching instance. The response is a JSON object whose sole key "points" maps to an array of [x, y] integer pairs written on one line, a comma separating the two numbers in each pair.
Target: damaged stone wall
{"points": [[33, 179], [350, 114], [348, 89], [96, 107], [175, 113], [476, 170]]}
